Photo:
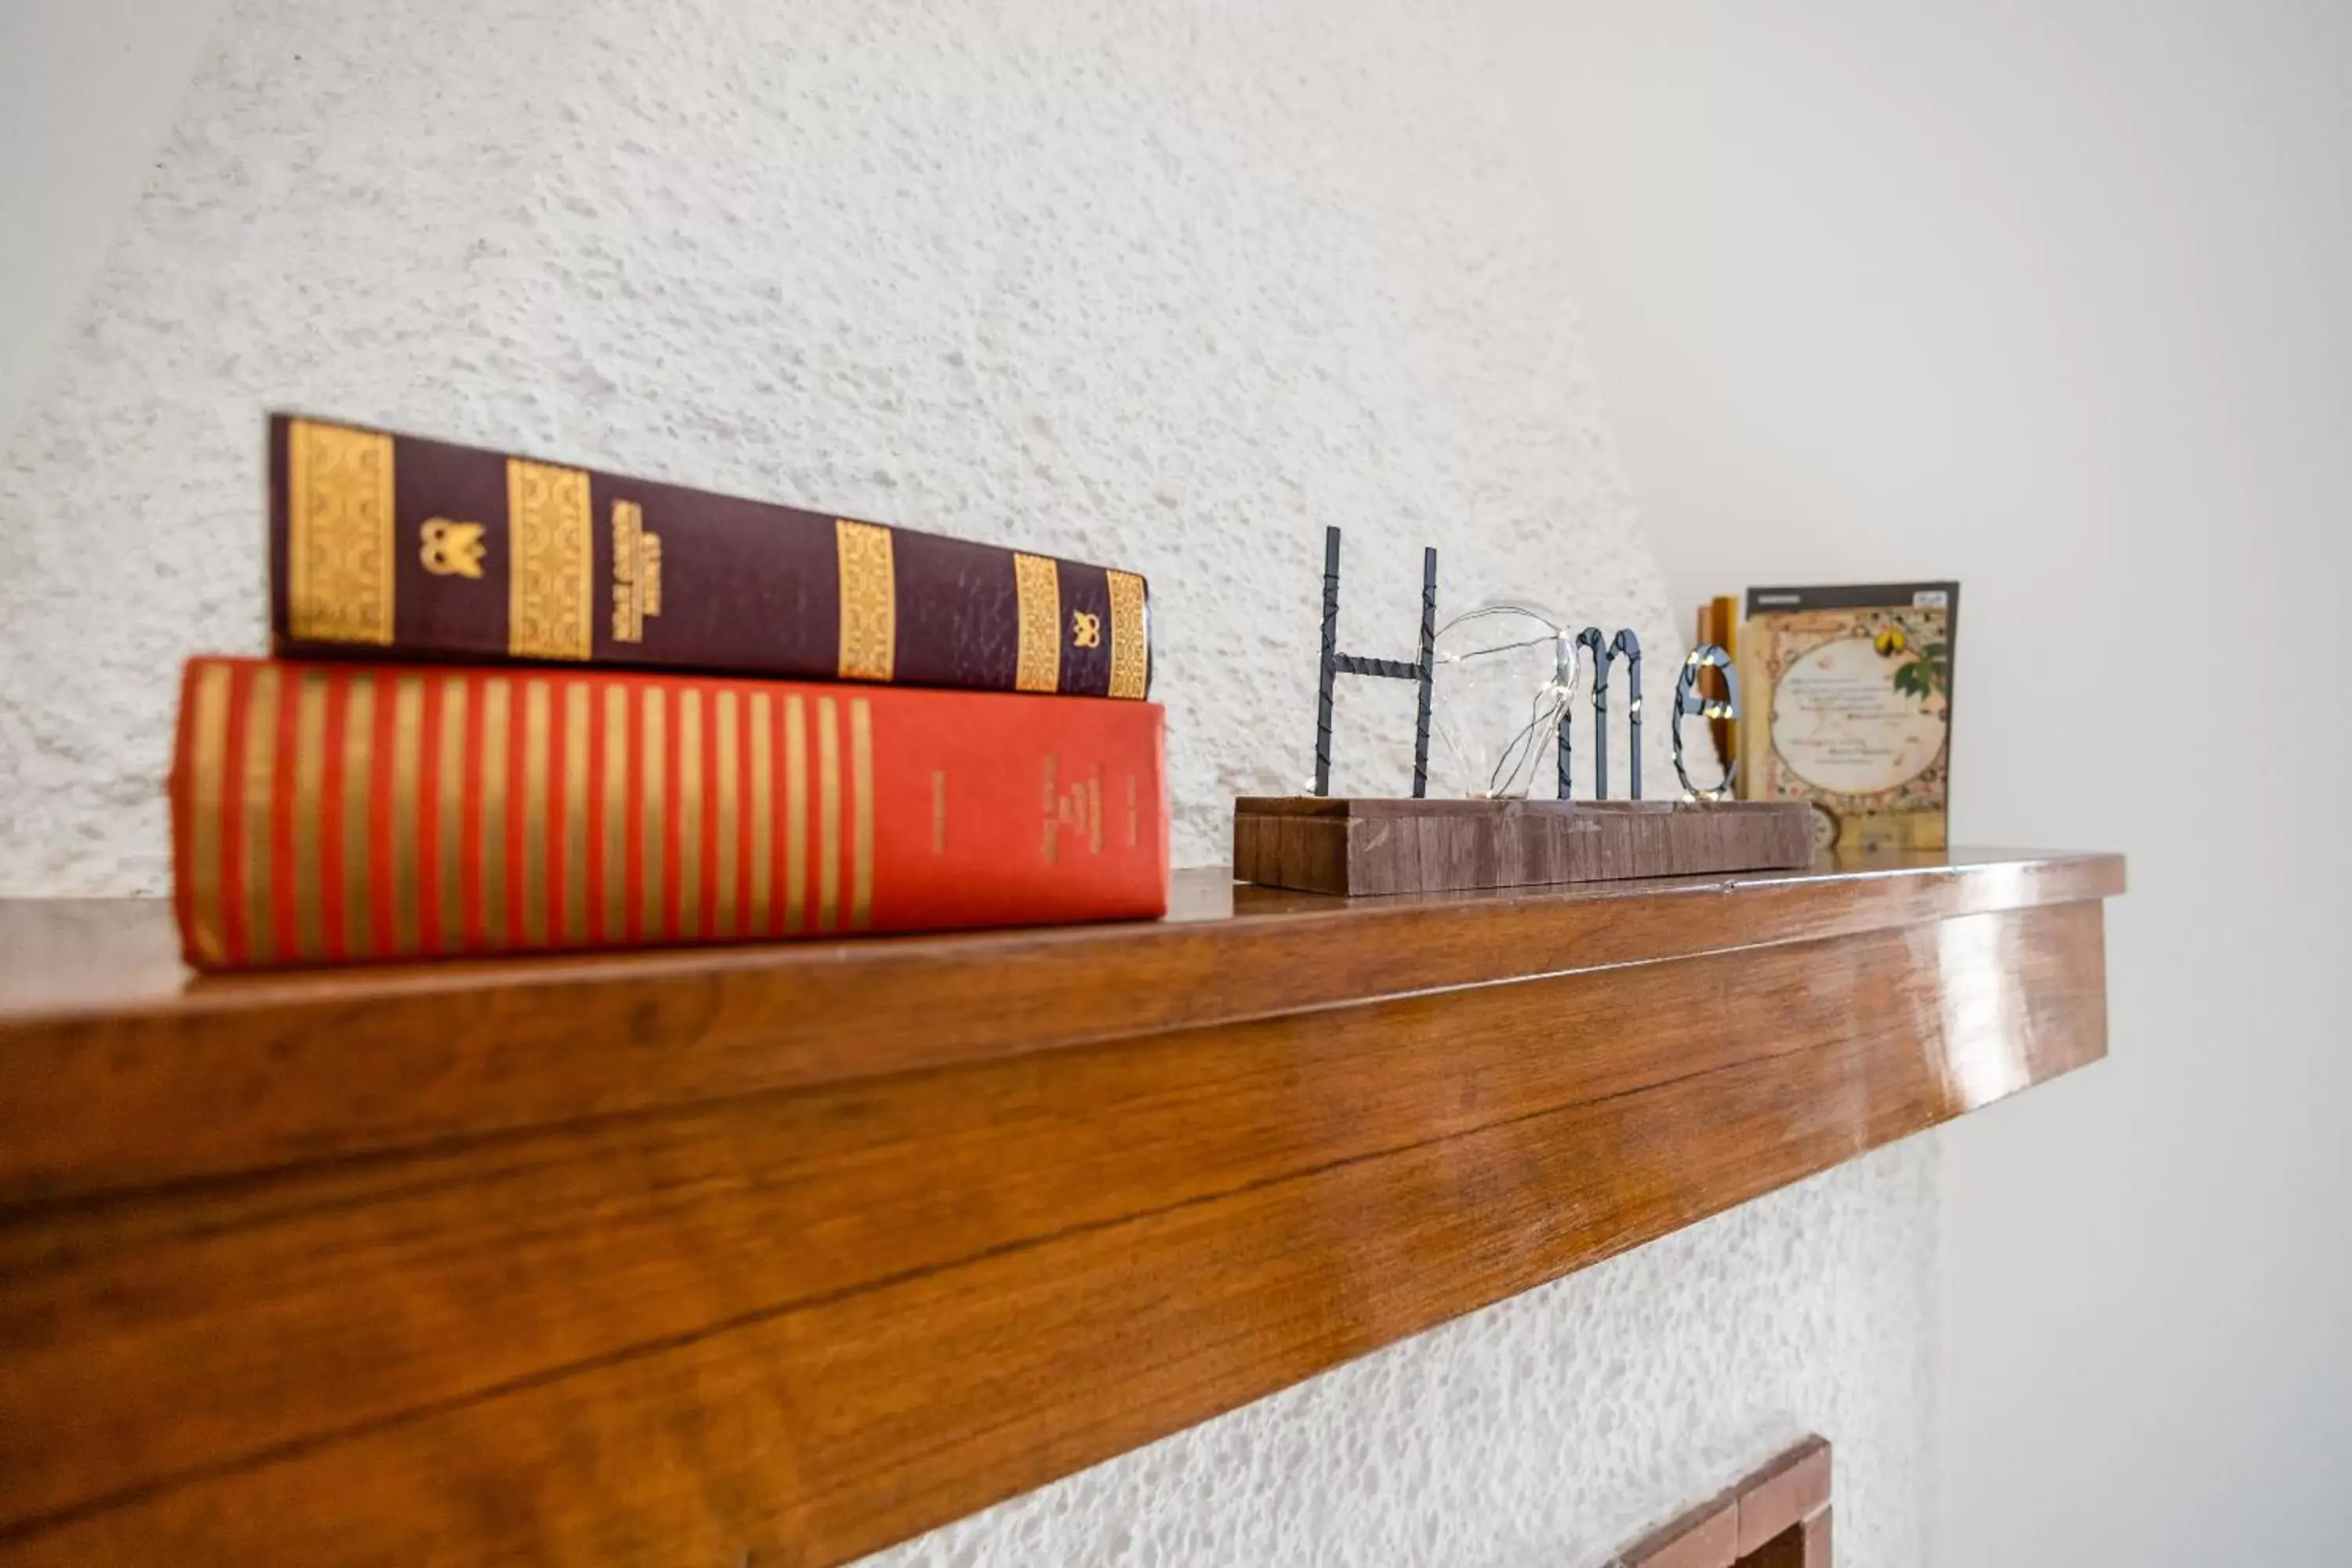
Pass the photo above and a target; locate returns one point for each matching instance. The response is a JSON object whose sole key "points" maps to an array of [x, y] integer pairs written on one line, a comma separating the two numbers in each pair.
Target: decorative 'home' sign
{"points": [[1419, 845]]}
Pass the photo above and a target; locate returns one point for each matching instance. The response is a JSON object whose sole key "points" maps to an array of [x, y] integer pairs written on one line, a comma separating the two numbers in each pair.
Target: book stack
{"points": [[518, 706]]}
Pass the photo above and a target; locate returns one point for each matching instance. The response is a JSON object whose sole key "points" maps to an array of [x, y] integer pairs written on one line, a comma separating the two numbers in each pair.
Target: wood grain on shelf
{"points": [[773, 1302], [124, 1071]]}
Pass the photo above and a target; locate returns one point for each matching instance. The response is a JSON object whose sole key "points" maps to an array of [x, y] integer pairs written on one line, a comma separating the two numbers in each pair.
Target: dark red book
{"points": [[334, 813], [397, 546]]}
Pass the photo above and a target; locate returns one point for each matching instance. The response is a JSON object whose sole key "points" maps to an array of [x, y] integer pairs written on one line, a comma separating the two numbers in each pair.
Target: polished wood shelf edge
{"points": [[798, 1324], [110, 1044]]}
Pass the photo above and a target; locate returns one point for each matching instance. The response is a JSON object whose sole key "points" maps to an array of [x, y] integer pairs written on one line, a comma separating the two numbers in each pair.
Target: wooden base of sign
{"points": [[1361, 847]]}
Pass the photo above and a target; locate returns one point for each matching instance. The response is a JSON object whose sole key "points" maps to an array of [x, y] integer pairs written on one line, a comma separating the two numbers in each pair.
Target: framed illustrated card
{"points": [[1850, 708]]}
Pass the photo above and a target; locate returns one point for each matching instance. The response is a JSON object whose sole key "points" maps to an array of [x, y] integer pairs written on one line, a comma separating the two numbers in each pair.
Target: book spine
{"points": [[397, 546], [337, 812]]}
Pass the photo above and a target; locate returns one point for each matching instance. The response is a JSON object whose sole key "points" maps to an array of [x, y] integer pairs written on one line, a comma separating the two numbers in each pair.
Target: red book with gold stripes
{"points": [[336, 813]]}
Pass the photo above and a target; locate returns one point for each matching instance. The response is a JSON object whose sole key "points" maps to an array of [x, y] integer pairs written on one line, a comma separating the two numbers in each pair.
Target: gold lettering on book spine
{"points": [[338, 528], [869, 601], [551, 562], [1037, 587], [1130, 639], [637, 571]]}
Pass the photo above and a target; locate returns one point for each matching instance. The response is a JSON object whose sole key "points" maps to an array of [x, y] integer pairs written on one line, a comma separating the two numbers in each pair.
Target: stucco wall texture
{"points": [[1166, 283]]}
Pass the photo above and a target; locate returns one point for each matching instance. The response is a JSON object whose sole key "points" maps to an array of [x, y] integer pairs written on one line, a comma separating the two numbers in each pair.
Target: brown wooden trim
{"points": [[1783, 1493], [1778, 1516], [125, 1073], [812, 1320]]}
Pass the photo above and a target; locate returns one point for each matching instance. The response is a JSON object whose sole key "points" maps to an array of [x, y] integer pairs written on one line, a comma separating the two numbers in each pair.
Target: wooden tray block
{"points": [[1357, 847]]}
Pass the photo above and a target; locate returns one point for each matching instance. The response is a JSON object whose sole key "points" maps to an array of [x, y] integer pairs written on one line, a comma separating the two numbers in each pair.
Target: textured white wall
{"points": [[2056, 299], [1168, 284]]}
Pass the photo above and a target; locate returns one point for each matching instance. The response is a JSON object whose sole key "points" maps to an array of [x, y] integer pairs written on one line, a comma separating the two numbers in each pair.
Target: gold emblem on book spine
{"points": [[637, 571], [1075, 809], [1085, 629], [339, 525], [552, 563], [1131, 642], [1037, 585], [869, 601], [450, 549]]}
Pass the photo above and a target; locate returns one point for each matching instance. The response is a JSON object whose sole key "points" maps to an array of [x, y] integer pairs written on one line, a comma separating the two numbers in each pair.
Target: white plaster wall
{"points": [[1170, 284], [2056, 299]]}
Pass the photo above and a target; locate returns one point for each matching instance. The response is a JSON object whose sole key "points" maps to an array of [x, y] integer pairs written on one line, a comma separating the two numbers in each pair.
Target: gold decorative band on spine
{"points": [[261, 939], [309, 936], [407, 812], [358, 741], [1037, 587], [575, 813], [861, 789], [207, 787], [795, 812], [1130, 636], [339, 534], [869, 601], [551, 562], [828, 797]]}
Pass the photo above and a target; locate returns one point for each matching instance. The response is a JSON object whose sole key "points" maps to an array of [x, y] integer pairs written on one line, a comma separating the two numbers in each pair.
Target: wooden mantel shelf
{"points": [[795, 1251]]}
